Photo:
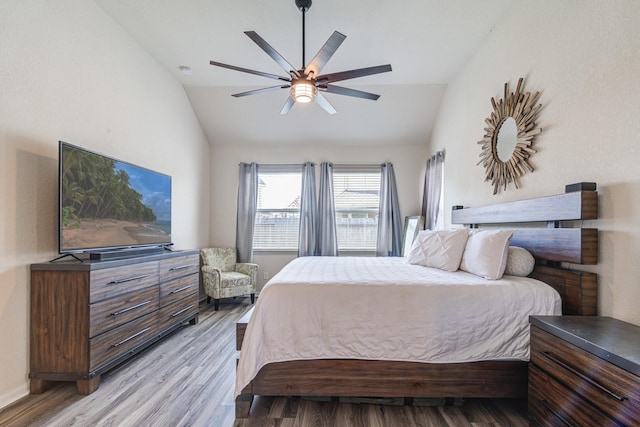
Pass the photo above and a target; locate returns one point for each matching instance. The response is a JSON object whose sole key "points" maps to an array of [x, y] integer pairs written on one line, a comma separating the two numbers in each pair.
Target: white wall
{"points": [[583, 55], [408, 164], [67, 72]]}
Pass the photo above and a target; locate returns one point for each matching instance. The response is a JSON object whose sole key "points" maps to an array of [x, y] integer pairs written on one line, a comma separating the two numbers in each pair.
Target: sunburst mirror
{"points": [[509, 136]]}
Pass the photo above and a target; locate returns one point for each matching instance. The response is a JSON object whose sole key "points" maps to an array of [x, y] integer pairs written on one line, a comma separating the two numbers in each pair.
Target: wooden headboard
{"points": [[555, 241]]}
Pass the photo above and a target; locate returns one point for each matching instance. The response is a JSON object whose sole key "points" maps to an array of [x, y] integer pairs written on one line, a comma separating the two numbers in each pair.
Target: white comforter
{"points": [[387, 309]]}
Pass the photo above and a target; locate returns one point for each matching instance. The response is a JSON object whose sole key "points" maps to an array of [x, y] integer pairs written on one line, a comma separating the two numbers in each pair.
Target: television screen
{"points": [[106, 203]]}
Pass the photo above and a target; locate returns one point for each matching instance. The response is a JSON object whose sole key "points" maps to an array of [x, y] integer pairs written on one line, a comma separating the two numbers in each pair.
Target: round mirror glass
{"points": [[506, 139]]}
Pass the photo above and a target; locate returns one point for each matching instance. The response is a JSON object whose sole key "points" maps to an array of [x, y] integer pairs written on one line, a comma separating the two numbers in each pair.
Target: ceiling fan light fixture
{"points": [[303, 91]]}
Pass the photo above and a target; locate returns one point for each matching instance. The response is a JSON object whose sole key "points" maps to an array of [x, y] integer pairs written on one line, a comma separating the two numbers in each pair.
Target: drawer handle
{"points": [[555, 414], [182, 311], [180, 267], [180, 289], [128, 279], [583, 377], [133, 307], [130, 338]]}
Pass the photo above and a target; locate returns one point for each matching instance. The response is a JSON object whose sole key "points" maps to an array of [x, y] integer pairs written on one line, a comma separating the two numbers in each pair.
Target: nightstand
{"points": [[584, 371]]}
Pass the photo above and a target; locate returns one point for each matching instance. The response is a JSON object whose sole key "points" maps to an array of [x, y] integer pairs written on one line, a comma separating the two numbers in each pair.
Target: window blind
{"points": [[357, 199]]}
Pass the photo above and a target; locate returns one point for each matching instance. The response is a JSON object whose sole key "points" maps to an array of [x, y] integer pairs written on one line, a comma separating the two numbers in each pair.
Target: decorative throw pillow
{"points": [[520, 262], [439, 249], [486, 253]]}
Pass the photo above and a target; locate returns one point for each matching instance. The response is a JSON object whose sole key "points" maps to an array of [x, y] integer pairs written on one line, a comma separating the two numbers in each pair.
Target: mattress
{"points": [[386, 309]]}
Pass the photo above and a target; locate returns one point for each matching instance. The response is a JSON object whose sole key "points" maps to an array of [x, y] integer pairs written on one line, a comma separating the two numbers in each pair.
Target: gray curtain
{"points": [[432, 190], [389, 221], [246, 210], [327, 233], [308, 212]]}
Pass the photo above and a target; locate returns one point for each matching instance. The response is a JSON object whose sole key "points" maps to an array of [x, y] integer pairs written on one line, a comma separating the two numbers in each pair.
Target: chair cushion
{"points": [[234, 279]]}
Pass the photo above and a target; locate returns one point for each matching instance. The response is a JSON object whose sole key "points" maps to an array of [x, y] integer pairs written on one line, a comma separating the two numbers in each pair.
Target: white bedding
{"points": [[386, 309]]}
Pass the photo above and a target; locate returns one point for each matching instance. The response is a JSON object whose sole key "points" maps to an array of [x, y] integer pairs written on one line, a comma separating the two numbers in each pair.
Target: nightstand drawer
{"points": [[612, 389], [552, 404]]}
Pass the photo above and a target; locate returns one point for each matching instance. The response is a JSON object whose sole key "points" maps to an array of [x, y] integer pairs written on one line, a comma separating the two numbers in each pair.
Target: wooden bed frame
{"points": [[551, 245]]}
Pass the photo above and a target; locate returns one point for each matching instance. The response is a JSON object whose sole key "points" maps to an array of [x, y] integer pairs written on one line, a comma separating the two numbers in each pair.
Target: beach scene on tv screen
{"points": [[106, 203]]}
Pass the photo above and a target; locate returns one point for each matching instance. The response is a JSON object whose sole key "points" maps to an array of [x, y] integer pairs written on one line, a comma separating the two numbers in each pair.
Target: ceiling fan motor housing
{"points": [[303, 5]]}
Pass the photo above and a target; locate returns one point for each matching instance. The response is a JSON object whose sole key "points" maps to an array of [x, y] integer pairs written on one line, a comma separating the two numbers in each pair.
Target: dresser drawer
{"points": [[178, 311], [173, 268], [117, 342], [177, 289], [113, 312], [552, 404], [110, 282], [613, 390]]}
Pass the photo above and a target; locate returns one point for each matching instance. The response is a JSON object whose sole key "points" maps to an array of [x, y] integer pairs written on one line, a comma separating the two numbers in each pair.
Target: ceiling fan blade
{"points": [[246, 70], [352, 74], [325, 53], [271, 52], [349, 92], [287, 105], [322, 101], [257, 91]]}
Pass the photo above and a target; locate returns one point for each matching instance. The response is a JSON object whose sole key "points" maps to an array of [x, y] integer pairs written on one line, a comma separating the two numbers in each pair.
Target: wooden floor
{"points": [[188, 380]]}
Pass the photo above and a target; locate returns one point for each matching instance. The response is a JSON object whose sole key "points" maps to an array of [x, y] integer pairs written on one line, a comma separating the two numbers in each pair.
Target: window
{"points": [[278, 210], [356, 195], [357, 198]]}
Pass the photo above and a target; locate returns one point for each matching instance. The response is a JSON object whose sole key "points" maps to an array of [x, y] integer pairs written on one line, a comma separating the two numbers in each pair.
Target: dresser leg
{"points": [[88, 386], [194, 321], [38, 386]]}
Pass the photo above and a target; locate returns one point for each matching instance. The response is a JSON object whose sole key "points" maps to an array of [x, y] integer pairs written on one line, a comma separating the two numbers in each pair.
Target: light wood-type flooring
{"points": [[188, 379]]}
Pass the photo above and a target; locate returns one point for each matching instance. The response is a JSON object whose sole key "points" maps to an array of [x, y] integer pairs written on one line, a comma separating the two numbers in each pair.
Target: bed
{"points": [[301, 338]]}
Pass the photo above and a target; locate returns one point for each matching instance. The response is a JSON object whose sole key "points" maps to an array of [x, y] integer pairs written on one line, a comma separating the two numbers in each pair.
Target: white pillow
{"points": [[520, 262], [486, 253], [439, 249]]}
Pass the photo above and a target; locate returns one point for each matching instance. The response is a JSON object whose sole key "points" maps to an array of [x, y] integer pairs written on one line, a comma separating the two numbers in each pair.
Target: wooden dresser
{"points": [[87, 317], [584, 371]]}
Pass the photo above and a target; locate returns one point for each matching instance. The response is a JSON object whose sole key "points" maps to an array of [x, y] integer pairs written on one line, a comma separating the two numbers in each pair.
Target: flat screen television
{"points": [[107, 204]]}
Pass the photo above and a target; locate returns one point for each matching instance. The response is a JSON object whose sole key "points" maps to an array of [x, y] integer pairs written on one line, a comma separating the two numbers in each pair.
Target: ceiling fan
{"points": [[306, 84]]}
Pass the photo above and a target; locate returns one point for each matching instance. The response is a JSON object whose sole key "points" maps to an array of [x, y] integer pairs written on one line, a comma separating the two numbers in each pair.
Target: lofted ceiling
{"points": [[426, 42]]}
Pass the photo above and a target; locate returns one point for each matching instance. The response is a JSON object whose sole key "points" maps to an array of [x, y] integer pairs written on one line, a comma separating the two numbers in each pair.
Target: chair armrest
{"points": [[249, 269], [211, 269], [210, 278]]}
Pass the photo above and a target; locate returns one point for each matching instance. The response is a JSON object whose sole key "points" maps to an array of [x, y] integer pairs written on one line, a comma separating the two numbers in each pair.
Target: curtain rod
{"points": [[340, 165], [358, 165], [280, 165]]}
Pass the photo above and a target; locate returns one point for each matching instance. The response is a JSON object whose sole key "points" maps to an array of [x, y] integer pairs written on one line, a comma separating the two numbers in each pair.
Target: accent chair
{"points": [[224, 277]]}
